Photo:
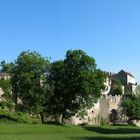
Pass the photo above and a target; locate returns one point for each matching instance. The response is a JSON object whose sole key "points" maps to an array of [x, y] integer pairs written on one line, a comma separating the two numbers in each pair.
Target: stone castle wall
{"points": [[109, 103], [100, 111]]}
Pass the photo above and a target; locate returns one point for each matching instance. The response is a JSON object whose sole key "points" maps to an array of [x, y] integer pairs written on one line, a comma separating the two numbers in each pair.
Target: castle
{"points": [[101, 111]]}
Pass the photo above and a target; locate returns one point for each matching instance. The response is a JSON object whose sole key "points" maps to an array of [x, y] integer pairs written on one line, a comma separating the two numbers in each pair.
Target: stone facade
{"points": [[127, 80], [107, 104], [100, 112], [91, 118]]}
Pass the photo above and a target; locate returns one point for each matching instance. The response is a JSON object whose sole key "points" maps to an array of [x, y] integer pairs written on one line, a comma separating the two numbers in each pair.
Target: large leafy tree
{"points": [[29, 82], [77, 84], [57, 80]]}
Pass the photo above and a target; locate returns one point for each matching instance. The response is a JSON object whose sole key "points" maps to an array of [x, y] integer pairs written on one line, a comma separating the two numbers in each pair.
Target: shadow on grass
{"points": [[53, 123], [106, 138], [124, 130], [118, 133]]}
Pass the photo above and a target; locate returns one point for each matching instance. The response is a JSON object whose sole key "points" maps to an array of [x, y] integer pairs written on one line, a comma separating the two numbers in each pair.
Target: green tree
{"points": [[77, 84], [131, 107], [57, 80], [6, 87], [116, 88], [29, 82]]}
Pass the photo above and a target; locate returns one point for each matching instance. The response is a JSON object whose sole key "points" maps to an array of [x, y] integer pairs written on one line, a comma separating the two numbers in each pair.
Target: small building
{"points": [[127, 80]]}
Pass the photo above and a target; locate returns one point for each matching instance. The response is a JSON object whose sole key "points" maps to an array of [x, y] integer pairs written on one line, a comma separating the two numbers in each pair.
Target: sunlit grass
{"points": [[53, 132]]}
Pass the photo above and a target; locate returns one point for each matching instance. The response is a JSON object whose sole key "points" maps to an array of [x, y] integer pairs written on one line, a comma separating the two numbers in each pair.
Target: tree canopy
{"points": [[29, 81], [62, 88], [77, 84], [131, 107]]}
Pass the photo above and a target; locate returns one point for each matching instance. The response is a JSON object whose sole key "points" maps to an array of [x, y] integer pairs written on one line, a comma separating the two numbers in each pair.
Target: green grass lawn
{"points": [[52, 132]]}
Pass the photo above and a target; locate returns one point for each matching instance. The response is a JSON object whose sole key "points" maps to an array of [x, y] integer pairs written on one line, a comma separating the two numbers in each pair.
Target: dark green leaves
{"points": [[77, 83]]}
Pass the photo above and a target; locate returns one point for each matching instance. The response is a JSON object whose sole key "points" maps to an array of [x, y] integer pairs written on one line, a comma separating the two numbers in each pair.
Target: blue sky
{"points": [[108, 30]]}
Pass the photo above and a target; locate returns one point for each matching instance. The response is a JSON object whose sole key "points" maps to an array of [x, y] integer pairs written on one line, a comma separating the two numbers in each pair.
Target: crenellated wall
{"points": [[108, 103], [101, 110]]}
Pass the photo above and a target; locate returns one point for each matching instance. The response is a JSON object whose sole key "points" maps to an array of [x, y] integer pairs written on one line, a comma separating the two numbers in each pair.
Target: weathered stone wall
{"points": [[109, 103], [136, 122], [92, 117], [99, 111]]}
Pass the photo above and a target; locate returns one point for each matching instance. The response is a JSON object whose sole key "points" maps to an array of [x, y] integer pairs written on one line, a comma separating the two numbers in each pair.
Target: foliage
{"points": [[116, 88], [7, 67], [29, 82], [137, 91], [131, 107], [113, 116], [8, 105], [6, 87], [18, 117], [77, 84], [63, 88], [56, 78]]}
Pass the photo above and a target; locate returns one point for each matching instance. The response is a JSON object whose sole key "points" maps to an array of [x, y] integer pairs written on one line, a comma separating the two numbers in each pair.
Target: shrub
{"points": [[17, 117]]}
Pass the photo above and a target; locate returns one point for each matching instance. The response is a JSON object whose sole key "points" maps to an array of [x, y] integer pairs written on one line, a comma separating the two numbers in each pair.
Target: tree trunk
{"points": [[42, 118], [63, 119]]}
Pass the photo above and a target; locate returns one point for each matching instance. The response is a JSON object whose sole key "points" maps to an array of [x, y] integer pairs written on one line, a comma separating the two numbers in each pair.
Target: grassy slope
{"points": [[51, 132]]}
